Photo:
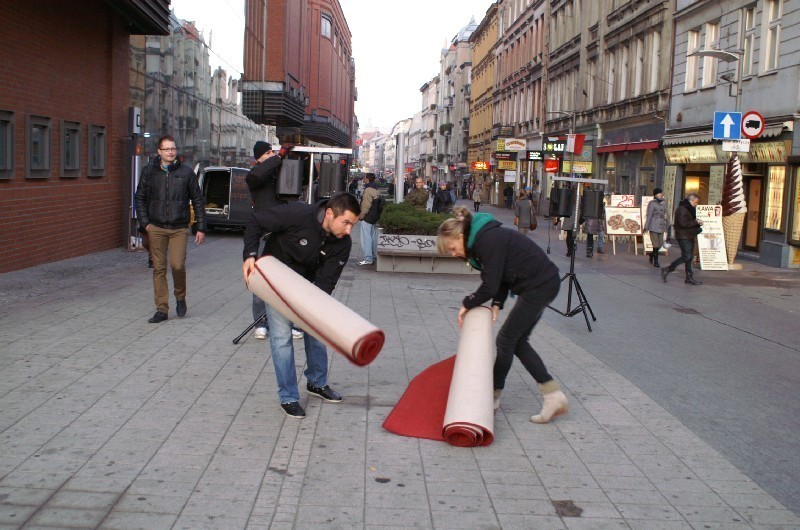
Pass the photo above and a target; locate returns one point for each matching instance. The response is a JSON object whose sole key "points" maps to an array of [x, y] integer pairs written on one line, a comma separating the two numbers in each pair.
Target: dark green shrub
{"points": [[403, 218]]}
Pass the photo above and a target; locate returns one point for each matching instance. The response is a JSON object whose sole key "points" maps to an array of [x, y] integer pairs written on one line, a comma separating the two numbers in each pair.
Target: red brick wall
{"points": [[63, 60]]}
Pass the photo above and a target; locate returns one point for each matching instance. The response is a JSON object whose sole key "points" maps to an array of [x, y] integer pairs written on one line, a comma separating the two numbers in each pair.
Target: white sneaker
{"points": [[260, 333], [364, 262], [297, 334]]}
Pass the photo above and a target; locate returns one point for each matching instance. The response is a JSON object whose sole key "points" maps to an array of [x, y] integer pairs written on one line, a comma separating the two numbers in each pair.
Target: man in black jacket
{"points": [[686, 226], [314, 241], [162, 205], [263, 184]]}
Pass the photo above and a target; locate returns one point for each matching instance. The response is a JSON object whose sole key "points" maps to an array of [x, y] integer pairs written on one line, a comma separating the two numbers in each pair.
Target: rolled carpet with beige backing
{"points": [[315, 311], [452, 400]]}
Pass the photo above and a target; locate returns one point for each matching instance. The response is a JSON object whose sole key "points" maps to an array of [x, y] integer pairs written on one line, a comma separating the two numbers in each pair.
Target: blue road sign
{"points": [[727, 125]]}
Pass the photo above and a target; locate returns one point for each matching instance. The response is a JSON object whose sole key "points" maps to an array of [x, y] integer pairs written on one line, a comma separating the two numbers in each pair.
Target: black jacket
{"points": [[162, 197], [263, 183], [509, 261], [686, 225], [296, 238], [441, 200]]}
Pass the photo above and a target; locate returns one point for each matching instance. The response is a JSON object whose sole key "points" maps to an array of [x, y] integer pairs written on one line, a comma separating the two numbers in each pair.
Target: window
{"points": [[773, 220], [748, 39], [691, 61], [773, 10], [6, 144], [655, 61], [37, 147], [97, 151], [70, 148], [709, 63], [611, 70], [623, 73], [326, 26], [638, 67]]}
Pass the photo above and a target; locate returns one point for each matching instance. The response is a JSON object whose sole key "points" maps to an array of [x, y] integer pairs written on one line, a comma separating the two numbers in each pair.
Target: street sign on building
{"points": [[738, 146], [727, 125], [752, 124]]}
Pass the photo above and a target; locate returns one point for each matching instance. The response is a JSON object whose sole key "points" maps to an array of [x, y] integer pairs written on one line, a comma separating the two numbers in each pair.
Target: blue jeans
{"points": [[280, 342], [369, 241]]}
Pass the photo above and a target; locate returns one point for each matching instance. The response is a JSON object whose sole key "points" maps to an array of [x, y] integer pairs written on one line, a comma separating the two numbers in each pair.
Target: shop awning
{"points": [[634, 146], [688, 138], [772, 130]]}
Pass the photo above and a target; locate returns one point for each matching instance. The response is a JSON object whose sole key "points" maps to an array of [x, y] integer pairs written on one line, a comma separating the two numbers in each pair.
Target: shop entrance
{"points": [[752, 225], [696, 181]]}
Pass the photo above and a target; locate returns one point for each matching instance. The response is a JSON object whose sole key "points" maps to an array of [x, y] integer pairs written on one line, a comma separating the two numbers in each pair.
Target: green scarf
{"points": [[479, 220]]}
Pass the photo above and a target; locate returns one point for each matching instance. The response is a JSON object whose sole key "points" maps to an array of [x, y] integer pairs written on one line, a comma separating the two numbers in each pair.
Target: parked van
{"points": [[228, 201]]}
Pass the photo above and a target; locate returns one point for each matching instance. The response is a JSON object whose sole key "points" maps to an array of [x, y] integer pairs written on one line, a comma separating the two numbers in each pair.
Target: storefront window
{"points": [[775, 182], [647, 173], [610, 173], [794, 228]]}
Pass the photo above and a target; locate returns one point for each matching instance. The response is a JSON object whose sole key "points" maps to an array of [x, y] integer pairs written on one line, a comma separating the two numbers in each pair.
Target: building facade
{"points": [[764, 65], [481, 114], [65, 182], [299, 73]]}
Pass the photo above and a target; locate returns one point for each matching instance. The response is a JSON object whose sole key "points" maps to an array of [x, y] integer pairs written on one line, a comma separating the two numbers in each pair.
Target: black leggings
{"points": [[513, 338]]}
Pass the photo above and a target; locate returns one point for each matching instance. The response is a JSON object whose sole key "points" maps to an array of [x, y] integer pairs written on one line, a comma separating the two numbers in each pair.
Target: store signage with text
{"points": [[711, 241], [511, 144], [480, 165], [551, 165], [580, 167], [535, 155], [505, 156], [507, 165], [554, 147]]}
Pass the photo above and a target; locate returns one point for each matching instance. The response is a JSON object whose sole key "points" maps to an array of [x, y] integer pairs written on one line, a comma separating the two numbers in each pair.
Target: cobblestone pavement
{"points": [[107, 421]]}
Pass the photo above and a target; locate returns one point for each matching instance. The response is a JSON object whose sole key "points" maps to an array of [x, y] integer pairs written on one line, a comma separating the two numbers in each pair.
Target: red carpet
{"points": [[420, 412]]}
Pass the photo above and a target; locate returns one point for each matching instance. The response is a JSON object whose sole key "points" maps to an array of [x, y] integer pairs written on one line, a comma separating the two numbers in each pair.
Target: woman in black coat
{"points": [[509, 262]]}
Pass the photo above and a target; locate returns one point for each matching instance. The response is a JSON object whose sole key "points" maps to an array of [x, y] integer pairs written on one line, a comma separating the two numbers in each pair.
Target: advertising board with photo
{"points": [[711, 241], [623, 221]]}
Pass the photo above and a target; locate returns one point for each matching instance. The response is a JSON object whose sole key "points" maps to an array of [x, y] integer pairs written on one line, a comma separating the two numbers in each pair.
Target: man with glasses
{"points": [[162, 205], [419, 195]]}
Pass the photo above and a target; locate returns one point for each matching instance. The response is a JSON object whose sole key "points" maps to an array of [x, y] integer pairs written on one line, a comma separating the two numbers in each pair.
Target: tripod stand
{"points": [[261, 319], [583, 303]]}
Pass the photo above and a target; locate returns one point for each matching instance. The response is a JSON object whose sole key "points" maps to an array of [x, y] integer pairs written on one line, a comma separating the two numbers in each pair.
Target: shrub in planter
{"points": [[403, 218]]}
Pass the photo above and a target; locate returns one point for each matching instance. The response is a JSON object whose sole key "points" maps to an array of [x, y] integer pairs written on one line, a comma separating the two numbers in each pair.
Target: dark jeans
{"points": [[686, 257], [513, 338], [477, 206], [589, 242]]}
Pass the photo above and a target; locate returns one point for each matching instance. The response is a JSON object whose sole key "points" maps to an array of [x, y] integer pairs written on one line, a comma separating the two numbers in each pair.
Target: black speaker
{"points": [[592, 204], [331, 179], [290, 178], [566, 198]]}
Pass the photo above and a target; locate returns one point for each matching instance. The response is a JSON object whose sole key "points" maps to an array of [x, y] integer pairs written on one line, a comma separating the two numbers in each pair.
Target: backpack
{"points": [[375, 210]]}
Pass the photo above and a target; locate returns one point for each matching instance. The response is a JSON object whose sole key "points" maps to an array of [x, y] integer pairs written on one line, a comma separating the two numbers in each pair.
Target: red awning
{"points": [[611, 148], [637, 146], [640, 146]]}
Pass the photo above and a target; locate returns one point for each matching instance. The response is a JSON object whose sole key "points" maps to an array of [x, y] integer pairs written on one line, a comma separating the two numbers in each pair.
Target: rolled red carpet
{"points": [[315, 311]]}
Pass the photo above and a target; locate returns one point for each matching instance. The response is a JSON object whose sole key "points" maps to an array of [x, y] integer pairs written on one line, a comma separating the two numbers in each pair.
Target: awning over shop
{"points": [[688, 138], [634, 146], [772, 130]]}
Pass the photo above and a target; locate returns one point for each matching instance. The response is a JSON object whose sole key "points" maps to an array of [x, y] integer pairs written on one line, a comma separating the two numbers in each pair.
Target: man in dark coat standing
{"points": [[263, 184]]}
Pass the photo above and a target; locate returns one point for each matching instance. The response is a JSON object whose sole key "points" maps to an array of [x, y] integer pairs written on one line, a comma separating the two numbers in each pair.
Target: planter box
{"points": [[412, 253]]}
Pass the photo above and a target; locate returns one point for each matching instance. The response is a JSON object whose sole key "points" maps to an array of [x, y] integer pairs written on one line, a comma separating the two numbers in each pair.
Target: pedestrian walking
{"points": [[508, 193], [524, 217], [166, 186], [369, 232], [441, 199], [476, 198], [656, 222], [314, 241], [508, 262], [687, 227], [262, 181]]}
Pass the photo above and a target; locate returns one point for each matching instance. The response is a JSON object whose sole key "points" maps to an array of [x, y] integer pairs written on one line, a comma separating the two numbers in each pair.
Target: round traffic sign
{"points": [[752, 124]]}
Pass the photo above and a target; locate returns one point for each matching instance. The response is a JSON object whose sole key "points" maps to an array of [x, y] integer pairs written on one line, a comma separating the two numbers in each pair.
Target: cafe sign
{"points": [[507, 165], [511, 144]]}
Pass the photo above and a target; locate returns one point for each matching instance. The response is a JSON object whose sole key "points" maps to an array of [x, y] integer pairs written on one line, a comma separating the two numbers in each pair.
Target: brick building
{"points": [[299, 72], [64, 185]]}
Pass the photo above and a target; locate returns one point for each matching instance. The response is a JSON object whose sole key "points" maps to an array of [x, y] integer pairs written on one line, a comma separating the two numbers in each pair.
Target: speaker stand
{"points": [[583, 303]]}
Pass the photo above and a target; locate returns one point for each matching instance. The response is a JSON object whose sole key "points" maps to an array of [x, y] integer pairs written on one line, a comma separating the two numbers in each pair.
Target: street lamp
{"points": [[734, 222]]}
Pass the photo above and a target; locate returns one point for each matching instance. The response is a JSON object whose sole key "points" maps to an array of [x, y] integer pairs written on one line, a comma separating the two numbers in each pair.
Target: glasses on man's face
{"points": [[168, 149]]}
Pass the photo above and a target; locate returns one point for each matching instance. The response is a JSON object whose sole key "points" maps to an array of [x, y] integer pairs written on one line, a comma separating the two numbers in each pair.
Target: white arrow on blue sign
{"points": [[727, 126]]}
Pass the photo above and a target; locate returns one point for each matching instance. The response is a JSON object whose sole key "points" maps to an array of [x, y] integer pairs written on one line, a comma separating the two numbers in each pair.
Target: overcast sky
{"points": [[396, 46]]}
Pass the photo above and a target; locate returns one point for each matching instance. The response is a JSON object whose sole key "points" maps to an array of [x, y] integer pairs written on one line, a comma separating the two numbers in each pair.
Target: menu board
{"points": [[715, 182], [775, 182], [623, 201], [711, 241], [670, 173], [623, 221], [794, 228]]}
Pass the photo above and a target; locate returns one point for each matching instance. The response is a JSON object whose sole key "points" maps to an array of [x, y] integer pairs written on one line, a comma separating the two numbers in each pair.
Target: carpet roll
{"points": [[469, 416], [316, 312]]}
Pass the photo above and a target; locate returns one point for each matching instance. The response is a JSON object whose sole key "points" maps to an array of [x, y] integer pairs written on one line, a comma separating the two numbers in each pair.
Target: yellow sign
{"points": [[692, 154], [510, 165], [580, 167]]}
